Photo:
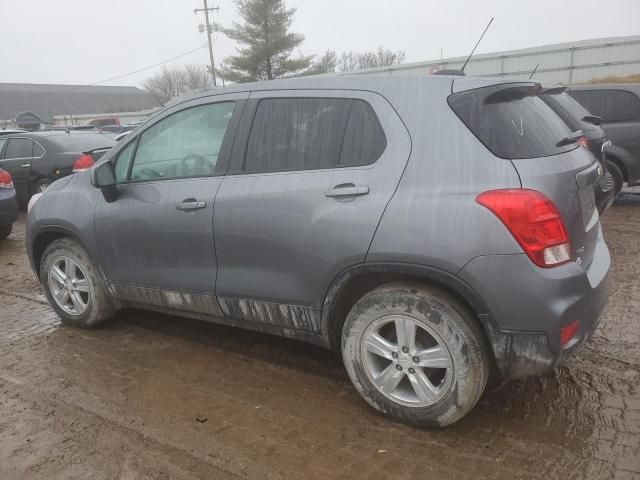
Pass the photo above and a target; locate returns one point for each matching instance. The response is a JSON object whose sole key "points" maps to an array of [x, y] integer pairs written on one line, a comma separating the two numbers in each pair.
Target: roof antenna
{"points": [[534, 71], [478, 43]]}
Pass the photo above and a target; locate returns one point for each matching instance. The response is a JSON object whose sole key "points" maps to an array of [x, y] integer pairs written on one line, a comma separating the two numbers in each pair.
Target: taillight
{"points": [[534, 221], [5, 179], [84, 162], [568, 332], [585, 143]]}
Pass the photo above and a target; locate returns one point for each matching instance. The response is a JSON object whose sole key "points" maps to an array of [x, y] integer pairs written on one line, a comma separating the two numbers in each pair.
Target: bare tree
{"points": [[175, 81], [197, 77], [349, 61]]}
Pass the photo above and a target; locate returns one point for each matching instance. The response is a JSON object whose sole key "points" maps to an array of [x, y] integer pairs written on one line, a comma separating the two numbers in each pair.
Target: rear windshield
{"points": [[512, 122], [82, 142]]}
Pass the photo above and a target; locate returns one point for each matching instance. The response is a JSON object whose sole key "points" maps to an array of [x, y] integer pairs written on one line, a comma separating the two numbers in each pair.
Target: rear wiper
{"points": [[594, 119], [573, 137]]}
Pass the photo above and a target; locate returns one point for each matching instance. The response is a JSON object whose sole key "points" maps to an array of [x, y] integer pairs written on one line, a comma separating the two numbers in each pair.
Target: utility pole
{"points": [[209, 28]]}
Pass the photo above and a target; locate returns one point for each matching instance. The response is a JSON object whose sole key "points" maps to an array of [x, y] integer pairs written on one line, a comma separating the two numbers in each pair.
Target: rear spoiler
{"points": [[553, 90]]}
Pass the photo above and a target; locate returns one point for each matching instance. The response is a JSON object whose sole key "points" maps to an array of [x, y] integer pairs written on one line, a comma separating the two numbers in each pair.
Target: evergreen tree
{"points": [[267, 43]]}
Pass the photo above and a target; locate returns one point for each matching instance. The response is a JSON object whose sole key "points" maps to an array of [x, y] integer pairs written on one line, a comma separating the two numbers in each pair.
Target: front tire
{"points": [[415, 354], [73, 285]]}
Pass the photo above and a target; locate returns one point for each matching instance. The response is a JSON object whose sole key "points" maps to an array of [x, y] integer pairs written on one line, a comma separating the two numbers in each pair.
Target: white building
{"points": [[562, 63]]}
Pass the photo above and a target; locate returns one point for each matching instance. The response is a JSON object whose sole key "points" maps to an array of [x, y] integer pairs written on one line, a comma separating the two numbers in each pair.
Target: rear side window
{"points": [[611, 105], [312, 133], [38, 151], [511, 122], [19, 148]]}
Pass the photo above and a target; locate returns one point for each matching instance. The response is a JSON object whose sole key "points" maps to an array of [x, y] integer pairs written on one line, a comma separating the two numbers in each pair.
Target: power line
{"points": [[151, 66]]}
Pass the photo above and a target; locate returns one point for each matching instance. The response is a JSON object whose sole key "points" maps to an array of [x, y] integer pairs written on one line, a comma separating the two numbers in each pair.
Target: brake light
{"points": [[5, 179], [84, 162], [584, 142], [568, 332], [534, 221]]}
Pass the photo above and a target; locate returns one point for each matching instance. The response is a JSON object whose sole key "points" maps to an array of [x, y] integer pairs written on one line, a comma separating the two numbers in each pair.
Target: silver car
{"points": [[434, 230]]}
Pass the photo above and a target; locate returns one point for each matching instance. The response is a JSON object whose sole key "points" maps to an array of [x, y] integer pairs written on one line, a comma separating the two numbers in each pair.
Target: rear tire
{"points": [[5, 231], [73, 285], [397, 382], [41, 186], [618, 177]]}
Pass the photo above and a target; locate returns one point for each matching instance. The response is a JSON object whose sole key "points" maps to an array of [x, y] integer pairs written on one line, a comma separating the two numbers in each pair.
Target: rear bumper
{"points": [[8, 206], [529, 306]]}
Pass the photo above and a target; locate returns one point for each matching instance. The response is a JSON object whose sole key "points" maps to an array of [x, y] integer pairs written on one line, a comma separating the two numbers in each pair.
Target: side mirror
{"points": [[104, 178]]}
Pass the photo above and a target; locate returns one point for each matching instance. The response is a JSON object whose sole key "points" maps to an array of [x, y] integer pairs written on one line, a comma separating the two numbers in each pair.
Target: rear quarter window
{"points": [[512, 122]]}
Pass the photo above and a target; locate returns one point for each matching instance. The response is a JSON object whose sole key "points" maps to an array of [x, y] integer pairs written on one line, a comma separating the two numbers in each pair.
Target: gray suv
{"points": [[432, 230]]}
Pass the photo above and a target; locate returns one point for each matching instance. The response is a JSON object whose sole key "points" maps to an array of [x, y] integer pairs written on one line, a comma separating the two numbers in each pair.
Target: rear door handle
{"points": [[191, 205], [25, 165], [346, 190]]}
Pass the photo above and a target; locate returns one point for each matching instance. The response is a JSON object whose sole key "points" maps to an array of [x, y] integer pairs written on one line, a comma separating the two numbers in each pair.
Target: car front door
{"points": [[310, 175], [155, 240]]}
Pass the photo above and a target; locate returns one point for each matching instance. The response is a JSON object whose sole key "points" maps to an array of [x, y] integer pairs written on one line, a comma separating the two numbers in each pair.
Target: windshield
{"points": [[518, 125]]}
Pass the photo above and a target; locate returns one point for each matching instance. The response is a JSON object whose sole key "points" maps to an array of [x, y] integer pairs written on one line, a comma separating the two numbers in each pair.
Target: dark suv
{"points": [[595, 138], [618, 106], [429, 229]]}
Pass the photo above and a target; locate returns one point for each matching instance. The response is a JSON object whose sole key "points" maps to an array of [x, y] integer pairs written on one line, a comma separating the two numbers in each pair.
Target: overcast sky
{"points": [[87, 41]]}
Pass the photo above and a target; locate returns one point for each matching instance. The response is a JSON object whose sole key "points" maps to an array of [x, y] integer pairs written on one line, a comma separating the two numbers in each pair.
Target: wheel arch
{"points": [[43, 238], [351, 284]]}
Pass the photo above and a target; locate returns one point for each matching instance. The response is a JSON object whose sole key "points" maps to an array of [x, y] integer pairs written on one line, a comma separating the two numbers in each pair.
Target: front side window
{"points": [[19, 148], [185, 144], [124, 161], [312, 133]]}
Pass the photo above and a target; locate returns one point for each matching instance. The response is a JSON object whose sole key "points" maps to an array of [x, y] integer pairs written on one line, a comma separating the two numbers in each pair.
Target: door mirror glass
{"points": [[103, 176]]}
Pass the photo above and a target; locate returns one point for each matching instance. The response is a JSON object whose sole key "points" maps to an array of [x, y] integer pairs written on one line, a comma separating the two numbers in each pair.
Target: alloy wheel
{"points": [[407, 361], [69, 286]]}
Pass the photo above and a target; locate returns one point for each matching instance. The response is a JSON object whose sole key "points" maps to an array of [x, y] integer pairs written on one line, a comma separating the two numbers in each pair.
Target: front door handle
{"points": [[191, 204], [346, 190], [25, 165]]}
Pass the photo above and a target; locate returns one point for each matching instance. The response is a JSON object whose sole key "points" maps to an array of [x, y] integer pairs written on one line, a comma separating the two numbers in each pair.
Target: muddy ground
{"points": [[122, 402]]}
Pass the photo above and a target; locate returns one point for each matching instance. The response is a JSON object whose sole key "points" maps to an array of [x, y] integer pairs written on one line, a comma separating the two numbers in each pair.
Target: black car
{"points": [[594, 138], [617, 106], [36, 159]]}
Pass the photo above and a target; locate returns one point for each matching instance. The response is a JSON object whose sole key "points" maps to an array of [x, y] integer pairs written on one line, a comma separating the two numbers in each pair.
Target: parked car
{"points": [[36, 159], [11, 131], [429, 229], [595, 138], [122, 135], [618, 106], [104, 121], [8, 204], [117, 129]]}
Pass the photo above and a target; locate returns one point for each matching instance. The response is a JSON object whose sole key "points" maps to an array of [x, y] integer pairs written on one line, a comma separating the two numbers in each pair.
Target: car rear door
{"points": [[310, 175], [155, 240], [16, 159]]}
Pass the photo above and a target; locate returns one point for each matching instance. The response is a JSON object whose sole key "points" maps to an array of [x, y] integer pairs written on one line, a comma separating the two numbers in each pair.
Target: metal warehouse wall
{"points": [[563, 63]]}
